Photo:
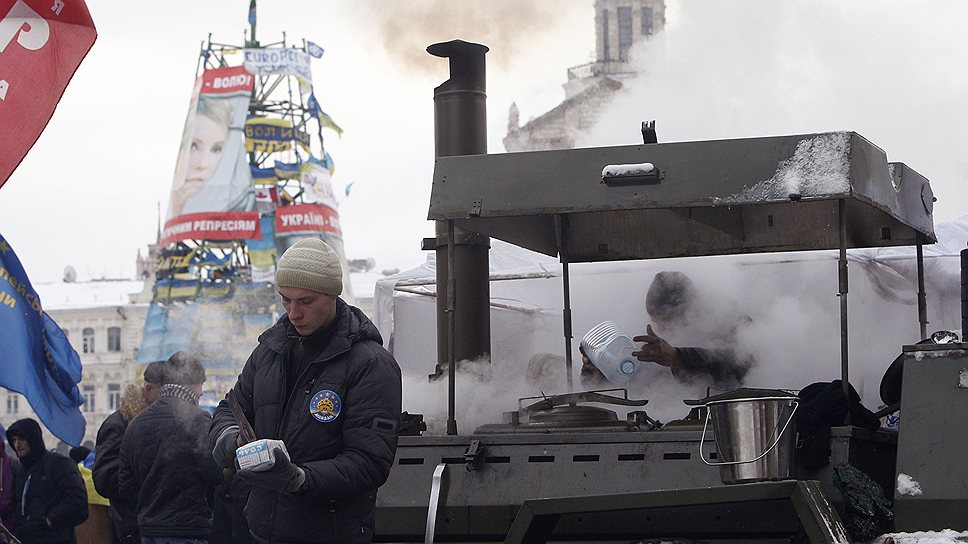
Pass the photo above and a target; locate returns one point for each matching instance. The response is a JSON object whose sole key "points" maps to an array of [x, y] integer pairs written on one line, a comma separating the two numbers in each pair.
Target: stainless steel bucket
{"points": [[755, 434]]}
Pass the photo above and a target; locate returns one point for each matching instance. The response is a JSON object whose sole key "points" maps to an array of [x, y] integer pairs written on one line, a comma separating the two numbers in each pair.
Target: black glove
{"points": [[225, 446], [283, 477]]}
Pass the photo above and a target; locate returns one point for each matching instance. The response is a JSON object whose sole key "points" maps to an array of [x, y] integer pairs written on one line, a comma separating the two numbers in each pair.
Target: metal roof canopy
{"points": [[832, 190], [713, 197]]}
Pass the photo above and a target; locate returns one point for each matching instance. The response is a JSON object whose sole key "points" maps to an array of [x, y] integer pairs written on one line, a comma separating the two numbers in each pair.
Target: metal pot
{"points": [[755, 434]]}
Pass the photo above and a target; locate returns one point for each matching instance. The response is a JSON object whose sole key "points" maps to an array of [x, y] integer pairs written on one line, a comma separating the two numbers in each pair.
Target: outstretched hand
{"points": [[655, 349]]}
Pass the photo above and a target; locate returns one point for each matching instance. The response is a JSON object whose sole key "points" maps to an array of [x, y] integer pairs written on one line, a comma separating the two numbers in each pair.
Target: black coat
{"points": [[107, 463], [346, 452], [167, 465], [56, 491]]}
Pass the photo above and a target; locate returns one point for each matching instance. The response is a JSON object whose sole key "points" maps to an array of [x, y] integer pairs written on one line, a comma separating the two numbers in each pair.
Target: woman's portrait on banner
{"points": [[212, 171]]}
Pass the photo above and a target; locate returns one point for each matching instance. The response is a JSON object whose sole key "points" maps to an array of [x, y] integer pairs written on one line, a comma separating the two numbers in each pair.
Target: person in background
{"points": [[671, 304], [6, 485], [107, 451], [228, 512], [165, 461], [50, 499], [340, 419], [97, 528]]}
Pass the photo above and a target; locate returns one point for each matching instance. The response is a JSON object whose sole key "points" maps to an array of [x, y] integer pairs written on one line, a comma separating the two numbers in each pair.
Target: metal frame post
{"points": [[842, 293], [560, 225], [922, 297], [451, 334]]}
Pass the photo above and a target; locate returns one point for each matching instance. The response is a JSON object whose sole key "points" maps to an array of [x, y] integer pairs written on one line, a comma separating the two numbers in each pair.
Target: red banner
{"points": [[227, 80], [307, 218], [42, 42], [212, 226]]}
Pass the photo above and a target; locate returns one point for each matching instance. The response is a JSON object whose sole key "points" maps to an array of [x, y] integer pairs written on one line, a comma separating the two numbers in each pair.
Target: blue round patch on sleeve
{"points": [[325, 406]]}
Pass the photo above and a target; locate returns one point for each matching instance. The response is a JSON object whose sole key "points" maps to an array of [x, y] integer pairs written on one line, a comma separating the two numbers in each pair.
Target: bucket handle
{"points": [[796, 404]]}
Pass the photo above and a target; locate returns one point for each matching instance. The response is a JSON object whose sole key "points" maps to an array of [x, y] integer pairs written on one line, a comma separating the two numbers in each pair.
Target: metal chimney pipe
{"points": [[964, 294], [460, 128]]}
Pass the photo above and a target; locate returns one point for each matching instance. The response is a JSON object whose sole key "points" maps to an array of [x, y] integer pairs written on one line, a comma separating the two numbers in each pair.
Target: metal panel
{"points": [[932, 439], [517, 467], [715, 197], [538, 519]]}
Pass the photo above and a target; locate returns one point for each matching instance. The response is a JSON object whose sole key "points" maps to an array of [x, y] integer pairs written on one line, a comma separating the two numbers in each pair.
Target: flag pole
{"points": [[252, 20]]}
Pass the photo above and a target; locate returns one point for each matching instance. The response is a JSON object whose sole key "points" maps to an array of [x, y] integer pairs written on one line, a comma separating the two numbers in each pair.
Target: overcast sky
{"points": [[87, 193]]}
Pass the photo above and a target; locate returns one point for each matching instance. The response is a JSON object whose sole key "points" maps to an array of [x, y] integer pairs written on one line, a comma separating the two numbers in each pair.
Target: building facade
{"points": [[619, 25], [104, 327]]}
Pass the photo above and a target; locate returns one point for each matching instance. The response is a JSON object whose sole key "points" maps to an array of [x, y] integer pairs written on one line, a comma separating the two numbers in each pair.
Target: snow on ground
{"points": [[946, 536]]}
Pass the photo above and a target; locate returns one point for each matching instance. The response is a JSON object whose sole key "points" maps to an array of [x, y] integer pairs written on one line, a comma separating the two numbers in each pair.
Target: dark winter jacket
{"points": [[166, 463], [346, 445], [55, 490], [719, 366], [107, 463]]}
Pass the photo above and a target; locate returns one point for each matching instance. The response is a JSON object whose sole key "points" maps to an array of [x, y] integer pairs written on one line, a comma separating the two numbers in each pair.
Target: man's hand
{"points": [[655, 349], [283, 477], [225, 446], [590, 376]]}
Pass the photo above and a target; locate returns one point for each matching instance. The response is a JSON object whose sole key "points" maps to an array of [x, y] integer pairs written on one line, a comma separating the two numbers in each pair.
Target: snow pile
{"points": [[627, 170], [907, 485], [947, 536], [818, 167]]}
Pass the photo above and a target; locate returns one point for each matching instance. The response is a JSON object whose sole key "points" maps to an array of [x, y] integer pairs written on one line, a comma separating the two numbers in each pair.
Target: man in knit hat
{"points": [[321, 382]]}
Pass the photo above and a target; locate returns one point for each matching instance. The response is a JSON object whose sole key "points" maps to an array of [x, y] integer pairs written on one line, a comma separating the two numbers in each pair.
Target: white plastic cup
{"points": [[610, 350]]}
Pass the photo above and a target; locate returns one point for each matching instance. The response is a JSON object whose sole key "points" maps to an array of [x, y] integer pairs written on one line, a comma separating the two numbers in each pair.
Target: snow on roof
{"points": [[86, 294]]}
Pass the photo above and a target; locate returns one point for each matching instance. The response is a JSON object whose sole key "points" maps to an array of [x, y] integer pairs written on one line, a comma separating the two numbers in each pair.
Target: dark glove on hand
{"points": [[225, 446], [283, 477]]}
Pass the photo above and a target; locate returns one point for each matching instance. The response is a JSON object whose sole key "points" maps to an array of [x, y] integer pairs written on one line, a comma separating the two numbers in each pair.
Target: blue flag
{"points": [[38, 360], [325, 121], [251, 12], [314, 50]]}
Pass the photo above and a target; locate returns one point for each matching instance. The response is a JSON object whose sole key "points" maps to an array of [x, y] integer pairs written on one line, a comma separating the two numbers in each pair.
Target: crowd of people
{"points": [[319, 384]]}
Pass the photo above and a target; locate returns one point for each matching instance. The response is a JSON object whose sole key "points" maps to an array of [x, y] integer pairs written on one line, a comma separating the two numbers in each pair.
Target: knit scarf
{"points": [[179, 392]]}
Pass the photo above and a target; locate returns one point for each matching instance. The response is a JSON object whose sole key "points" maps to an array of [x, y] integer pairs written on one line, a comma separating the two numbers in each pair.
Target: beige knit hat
{"points": [[310, 264]]}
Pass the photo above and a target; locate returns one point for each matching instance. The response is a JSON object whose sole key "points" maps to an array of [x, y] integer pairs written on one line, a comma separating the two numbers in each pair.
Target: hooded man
{"points": [[165, 460], [671, 304], [50, 495], [321, 382], [107, 456]]}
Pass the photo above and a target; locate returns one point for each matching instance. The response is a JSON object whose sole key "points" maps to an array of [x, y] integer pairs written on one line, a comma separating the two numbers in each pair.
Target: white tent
{"points": [[787, 301]]}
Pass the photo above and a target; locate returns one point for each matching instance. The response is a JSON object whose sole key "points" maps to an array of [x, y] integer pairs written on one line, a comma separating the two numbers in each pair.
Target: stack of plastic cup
{"points": [[610, 350]]}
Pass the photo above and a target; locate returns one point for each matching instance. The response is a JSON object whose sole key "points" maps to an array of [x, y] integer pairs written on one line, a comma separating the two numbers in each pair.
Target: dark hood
{"points": [[29, 430]]}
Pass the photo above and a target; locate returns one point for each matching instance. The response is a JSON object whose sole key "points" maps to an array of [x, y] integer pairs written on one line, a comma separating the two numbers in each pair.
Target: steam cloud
{"points": [[730, 69], [741, 68], [409, 27]]}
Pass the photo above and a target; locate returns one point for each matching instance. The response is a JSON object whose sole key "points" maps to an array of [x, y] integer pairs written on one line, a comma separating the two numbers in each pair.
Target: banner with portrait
{"points": [[212, 171]]}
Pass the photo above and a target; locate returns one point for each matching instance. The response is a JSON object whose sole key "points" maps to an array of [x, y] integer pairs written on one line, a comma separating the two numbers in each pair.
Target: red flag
{"points": [[42, 42]]}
